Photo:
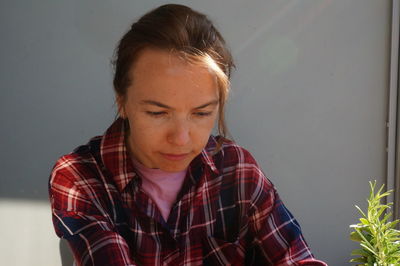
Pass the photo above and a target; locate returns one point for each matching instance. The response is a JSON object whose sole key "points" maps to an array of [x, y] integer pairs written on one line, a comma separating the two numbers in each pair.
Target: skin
{"points": [[171, 106]]}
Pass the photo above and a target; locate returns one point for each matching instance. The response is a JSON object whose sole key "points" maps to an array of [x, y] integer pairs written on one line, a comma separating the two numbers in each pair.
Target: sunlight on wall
{"points": [[27, 236]]}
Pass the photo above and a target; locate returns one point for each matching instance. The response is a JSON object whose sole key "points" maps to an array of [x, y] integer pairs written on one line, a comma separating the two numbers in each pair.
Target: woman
{"points": [[157, 188]]}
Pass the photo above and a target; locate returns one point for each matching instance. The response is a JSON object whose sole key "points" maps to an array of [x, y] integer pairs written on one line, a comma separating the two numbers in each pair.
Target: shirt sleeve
{"points": [[276, 233], [79, 218]]}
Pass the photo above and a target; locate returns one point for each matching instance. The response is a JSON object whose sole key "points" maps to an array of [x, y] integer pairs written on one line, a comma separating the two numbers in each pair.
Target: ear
{"points": [[121, 106]]}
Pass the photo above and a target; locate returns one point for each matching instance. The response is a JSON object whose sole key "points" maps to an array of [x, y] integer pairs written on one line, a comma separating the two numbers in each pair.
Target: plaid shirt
{"points": [[227, 212]]}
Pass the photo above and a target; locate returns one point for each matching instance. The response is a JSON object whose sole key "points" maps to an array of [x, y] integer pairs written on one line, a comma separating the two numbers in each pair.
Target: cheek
{"points": [[146, 133], [202, 132], [209, 124], [143, 133]]}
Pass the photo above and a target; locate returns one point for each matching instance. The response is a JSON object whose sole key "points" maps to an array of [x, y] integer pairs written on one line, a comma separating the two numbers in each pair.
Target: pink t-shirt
{"points": [[162, 187]]}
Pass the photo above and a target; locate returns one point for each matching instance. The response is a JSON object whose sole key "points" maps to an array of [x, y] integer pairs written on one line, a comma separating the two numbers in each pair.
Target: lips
{"points": [[175, 157]]}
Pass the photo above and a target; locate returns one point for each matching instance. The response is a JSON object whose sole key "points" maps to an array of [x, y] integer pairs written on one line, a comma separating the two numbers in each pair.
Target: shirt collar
{"points": [[207, 154], [117, 160], [115, 155]]}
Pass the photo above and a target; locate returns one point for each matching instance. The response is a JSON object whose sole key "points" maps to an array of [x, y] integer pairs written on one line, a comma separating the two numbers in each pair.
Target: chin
{"points": [[174, 165]]}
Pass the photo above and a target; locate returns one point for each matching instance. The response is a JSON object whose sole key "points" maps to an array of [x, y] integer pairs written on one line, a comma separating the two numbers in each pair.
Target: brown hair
{"points": [[181, 30]]}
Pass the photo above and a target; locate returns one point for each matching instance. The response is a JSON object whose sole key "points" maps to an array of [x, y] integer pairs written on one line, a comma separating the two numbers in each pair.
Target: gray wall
{"points": [[309, 100]]}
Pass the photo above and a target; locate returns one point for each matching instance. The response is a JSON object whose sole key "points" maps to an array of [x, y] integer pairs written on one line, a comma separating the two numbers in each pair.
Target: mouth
{"points": [[175, 157]]}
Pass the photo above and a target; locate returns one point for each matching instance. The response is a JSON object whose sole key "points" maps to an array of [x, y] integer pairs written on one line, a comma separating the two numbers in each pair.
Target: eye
{"points": [[202, 114], [156, 114]]}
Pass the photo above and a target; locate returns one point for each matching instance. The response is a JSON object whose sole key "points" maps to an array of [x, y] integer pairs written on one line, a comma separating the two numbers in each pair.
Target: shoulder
{"points": [[231, 154], [235, 161], [72, 169]]}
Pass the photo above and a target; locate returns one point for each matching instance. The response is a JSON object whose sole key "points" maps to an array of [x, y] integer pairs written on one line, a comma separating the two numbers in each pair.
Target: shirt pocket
{"points": [[221, 252]]}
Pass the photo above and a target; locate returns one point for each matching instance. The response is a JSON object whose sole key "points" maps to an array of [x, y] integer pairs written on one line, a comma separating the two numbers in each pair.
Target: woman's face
{"points": [[171, 107]]}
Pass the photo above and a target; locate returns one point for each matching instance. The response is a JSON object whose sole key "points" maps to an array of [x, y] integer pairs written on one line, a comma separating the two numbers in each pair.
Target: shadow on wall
{"points": [[67, 258]]}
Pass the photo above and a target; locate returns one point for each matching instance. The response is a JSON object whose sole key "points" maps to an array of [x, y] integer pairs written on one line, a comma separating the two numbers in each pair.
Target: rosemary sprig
{"points": [[378, 237]]}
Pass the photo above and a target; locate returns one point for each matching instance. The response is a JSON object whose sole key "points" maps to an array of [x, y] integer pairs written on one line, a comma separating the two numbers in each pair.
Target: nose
{"points": [[179, 134]]}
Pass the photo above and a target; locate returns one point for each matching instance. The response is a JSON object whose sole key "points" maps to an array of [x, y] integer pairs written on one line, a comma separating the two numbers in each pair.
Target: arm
{"points": [[277, 235], [81, 221]]}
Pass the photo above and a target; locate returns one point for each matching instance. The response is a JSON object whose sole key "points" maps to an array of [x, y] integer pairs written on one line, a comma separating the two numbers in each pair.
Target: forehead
{"points": [[161, 73], [163, 61]]}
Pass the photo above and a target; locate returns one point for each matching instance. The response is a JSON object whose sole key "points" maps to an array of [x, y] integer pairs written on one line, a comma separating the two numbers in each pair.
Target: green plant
{"points": [[379, 239]]}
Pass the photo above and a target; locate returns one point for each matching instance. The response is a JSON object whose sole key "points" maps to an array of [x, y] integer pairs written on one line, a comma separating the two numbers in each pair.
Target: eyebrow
{"points": [[151, 102]]}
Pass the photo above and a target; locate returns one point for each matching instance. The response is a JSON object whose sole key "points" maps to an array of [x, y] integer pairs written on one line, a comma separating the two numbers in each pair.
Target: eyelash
{"points": [[157, 114], [203, 113]]}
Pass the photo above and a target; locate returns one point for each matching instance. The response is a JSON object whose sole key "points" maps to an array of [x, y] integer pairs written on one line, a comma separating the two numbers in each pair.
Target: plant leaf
{"points": [[360, 252], [359, 260], [359, 209], [364, 221], [355, 236]]}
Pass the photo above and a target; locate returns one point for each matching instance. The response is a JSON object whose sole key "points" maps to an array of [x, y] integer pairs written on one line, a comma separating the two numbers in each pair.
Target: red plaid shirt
{"points": [[227, 212]]}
